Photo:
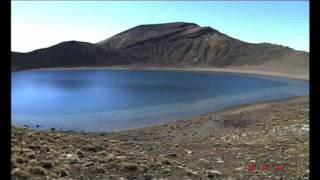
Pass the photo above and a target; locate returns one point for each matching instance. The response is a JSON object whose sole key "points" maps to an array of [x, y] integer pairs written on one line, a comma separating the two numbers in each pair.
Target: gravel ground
{"points": [[259, 141]]}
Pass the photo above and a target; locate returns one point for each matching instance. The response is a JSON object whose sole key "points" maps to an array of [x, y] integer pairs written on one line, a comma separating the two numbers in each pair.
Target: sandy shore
{"points": [[253, 70]]}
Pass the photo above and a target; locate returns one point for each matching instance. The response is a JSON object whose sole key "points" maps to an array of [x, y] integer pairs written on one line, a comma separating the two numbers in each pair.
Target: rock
{"points": [[95, 159], [170, 155], [307, 171], [166, 162], [20, 160], [113, 141], [202, 160], [143, 168], [128, 166], [61, 172], [186, 178], [116, 150], [166, 171], [45, 148], [31, 134], [102, 153], [47, 164], [219, 160], [305, 177], [302, 155], [239, 169], [121, 158], [223, 138], [33, 162], [122, 178], [37, 170], [88, 164], [30, 155], [99, 170], [191, 172], [188, 171], [91, 148], [66, 167], [111, 157], [290, 151], [13, 164], [33, 147], [213, 173], [80, 154], [304, 129], [17, 172], [72, 158], [244, 134], [239, 155], [188, 151]]}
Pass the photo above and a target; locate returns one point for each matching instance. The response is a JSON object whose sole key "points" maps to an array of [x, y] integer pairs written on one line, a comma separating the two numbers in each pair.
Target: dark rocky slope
{"points": [[66, 54], [172, 44], [190, 44]]}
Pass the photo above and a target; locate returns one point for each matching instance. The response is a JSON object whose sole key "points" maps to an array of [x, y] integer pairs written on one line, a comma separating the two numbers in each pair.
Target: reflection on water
{"points": [[111, 100]]}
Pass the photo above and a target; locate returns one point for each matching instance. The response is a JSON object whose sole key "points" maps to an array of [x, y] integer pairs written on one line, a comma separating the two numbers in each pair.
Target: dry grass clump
{"points": [[18, 172], [128, 166], [80, 154], [13, 164], [99, 170], [37, 170], [30, 155], [63, 171], [91, 148], [47, 164], [19, 159], [33, 162]]}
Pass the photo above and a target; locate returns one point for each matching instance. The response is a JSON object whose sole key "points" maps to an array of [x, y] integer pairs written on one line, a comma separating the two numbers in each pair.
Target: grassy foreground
{"points": [[271, 137]]}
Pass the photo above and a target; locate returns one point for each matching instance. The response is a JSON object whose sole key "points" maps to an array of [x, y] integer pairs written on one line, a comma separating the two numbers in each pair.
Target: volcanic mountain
{"points": [[66, 54], [170, 44]]}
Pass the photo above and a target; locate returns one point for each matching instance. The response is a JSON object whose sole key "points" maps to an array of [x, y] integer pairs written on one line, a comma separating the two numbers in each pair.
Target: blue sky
{"points": [[41, 24]]}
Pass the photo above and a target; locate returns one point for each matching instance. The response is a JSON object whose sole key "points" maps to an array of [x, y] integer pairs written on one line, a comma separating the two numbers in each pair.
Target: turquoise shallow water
{"points": [[112, 100]]}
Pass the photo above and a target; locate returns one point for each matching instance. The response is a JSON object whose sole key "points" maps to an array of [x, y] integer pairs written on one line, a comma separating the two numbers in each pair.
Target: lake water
{"points": [[112, 100]]}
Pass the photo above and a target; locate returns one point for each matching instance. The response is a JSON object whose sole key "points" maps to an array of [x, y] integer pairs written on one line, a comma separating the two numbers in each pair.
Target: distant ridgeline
{"points": [[170, 44]]}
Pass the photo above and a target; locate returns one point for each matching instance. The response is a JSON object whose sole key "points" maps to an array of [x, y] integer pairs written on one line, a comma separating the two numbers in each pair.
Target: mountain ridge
{"points": [[166, 44]]}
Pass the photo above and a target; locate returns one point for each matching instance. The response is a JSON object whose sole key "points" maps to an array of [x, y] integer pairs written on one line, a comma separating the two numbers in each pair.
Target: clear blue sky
{"points": [[41, 24]]}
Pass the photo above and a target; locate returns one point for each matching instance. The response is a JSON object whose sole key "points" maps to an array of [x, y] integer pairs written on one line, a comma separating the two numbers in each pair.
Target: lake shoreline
{"points": [[237, 70], [205, 109], [212, 145], [224, 111]]}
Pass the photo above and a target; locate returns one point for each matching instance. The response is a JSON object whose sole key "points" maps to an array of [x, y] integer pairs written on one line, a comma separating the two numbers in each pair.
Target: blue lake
{"points": [[112, 100]]}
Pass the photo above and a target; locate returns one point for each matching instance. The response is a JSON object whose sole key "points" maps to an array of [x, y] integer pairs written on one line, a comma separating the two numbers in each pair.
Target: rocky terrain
{"points": [[171, 44], [190, 44], [66, 54], [271, 137]]}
